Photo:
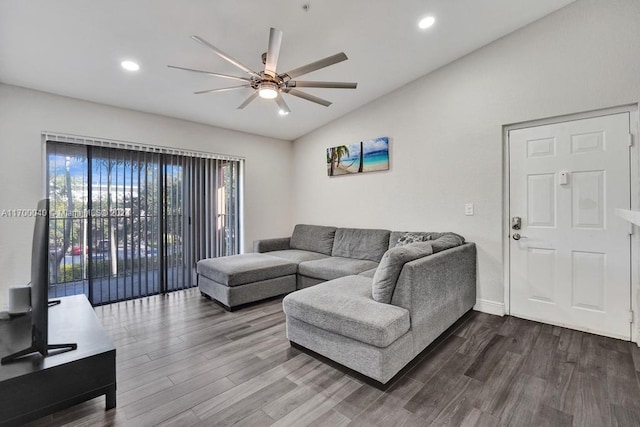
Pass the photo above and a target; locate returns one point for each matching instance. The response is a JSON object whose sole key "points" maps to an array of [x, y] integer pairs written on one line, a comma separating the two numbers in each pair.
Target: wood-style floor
{"points": [[183, 361]]}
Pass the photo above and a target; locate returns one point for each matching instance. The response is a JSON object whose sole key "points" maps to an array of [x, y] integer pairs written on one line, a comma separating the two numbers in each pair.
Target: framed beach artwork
{"points": [[364, 156]]}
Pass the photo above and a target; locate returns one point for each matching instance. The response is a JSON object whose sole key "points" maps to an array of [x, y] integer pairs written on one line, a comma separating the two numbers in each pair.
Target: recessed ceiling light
{"points": [[426, 22], [283, 113], [130, 65]]}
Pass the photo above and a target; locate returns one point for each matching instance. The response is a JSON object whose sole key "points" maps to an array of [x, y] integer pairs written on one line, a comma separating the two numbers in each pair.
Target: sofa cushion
{"points": [[314, 238], [344, 306], [387, 273], [361, 243], [237, 270], [334, 267], [297, 255]]}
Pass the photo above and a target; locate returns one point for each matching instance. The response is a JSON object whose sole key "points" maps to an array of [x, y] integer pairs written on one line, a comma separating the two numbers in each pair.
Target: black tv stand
{"points": [[32, 387], [33, 349]]}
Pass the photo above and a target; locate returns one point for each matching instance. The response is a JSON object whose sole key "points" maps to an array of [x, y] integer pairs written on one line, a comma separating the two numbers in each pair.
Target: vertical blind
{"points": [[129, 223]]}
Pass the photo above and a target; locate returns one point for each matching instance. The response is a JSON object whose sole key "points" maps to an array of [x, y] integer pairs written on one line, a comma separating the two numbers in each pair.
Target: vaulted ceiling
{"points": [[75, 47]]}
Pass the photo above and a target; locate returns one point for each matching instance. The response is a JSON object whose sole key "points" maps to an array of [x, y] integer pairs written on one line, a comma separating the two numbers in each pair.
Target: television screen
{"points": [[40, 278]]}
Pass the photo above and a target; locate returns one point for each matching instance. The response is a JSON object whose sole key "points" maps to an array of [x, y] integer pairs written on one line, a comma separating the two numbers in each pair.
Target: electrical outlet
{"points": [[468, 209]]}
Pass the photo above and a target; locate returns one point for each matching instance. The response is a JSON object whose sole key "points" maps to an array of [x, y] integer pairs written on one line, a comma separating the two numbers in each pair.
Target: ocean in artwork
{"points": [[366, 156]]}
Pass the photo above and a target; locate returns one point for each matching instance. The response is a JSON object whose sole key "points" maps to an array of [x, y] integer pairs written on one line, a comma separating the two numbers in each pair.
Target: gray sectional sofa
{"points": [[371, 300]]}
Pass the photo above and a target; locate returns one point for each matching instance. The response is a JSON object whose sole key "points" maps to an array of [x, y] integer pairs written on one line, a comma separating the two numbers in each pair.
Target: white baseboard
{"points": [[490, 307]]}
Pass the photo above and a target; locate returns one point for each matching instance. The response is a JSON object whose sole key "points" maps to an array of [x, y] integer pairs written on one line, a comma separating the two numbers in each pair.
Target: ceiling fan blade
{"points": [[225, 56], [273, 51], [224, 89], [248, 100], [325, 62], [224, 76], [283, 105], [328, 85], [304, 95]]}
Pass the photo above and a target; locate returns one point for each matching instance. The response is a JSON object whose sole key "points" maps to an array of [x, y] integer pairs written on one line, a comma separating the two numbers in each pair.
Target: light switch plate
{"points": [[468, 209]]}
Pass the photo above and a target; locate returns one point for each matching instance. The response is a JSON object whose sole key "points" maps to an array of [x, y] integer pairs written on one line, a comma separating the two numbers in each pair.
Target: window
{"points": [[127, 223]]}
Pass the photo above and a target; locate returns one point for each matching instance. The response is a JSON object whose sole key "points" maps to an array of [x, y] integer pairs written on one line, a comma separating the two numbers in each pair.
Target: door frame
{"points": [[634, 129]]}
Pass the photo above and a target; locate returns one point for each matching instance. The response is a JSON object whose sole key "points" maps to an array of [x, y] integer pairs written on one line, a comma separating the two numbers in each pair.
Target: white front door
{"points": [[572, 264]]}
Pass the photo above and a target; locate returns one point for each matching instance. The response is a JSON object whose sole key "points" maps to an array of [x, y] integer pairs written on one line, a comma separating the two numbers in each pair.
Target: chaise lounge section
{"points": [[236, 280]]}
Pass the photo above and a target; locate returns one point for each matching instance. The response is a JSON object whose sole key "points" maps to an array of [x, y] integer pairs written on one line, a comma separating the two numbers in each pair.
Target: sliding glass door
{"points": [[127, 224]]}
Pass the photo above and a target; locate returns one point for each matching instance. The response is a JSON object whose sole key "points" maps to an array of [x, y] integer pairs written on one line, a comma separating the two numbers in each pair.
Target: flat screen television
{"points": [[40, 291]]}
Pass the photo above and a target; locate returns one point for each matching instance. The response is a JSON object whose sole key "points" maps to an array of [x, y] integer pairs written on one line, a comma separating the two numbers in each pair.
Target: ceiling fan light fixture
{"points": [[269, 84], [268, 90]]}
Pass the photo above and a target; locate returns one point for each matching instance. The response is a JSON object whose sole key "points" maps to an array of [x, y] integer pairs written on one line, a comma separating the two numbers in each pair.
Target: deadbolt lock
{"points": [[516, 223]]}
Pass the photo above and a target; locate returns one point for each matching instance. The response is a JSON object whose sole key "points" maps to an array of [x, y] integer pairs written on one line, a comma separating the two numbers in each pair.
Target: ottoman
{"points": [[240, 279]]}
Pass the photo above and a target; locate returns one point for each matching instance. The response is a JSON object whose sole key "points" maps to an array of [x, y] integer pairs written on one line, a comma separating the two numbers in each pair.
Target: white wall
{"points": [[446, 129], [25, 113]]}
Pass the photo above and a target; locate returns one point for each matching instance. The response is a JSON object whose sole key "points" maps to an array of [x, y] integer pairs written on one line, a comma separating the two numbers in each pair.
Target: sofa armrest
{"points": [[437, 290], [268, 245]]}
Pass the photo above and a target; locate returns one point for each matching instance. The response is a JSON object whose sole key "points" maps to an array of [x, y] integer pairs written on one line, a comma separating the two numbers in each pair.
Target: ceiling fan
{"points": [[268, 83]]}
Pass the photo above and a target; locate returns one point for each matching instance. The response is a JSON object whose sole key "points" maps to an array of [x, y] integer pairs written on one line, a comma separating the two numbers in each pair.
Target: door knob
{"points": [[517, 236]]}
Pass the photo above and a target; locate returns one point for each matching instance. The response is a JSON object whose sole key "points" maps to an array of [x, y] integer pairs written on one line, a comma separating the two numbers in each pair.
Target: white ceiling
{"points": [[74, 48]]}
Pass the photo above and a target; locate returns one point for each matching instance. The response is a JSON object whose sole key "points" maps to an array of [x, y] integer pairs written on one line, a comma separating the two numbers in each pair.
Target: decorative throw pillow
{"points": [[408, 238], [388, 271], [447, 241]]}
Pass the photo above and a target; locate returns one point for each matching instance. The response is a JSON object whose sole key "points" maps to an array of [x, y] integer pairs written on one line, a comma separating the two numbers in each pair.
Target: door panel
{"points": [[571, 266], [541, 200], [541, 273], [587, 202], [588, 280]]}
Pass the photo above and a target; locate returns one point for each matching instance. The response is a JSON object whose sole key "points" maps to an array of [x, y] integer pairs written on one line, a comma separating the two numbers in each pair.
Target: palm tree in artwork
{"points": [[336, 154], [361, 167]]}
